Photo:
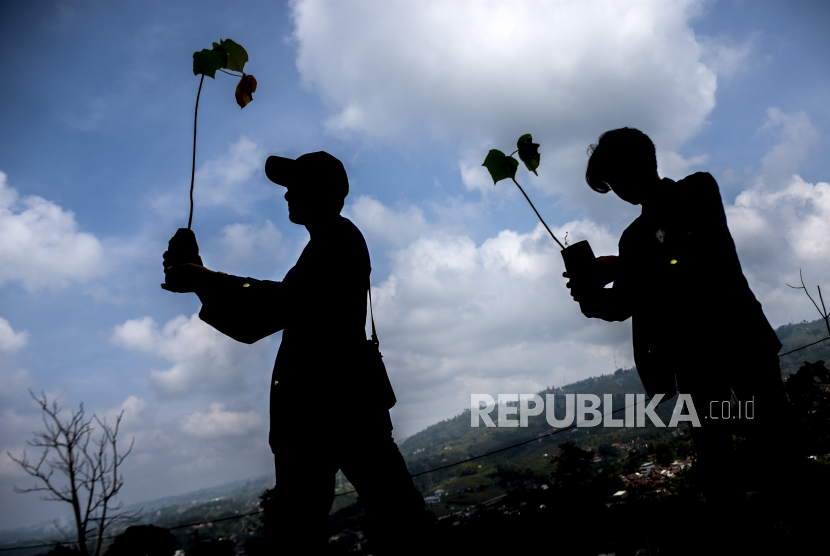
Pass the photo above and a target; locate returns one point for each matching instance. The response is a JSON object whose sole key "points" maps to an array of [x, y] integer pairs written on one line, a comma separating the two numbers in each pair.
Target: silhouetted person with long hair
{"points": [[694, 317], [328, 411]]}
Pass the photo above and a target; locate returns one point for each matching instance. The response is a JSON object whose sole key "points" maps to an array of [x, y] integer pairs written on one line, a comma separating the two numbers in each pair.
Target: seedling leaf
{"points": [[237, 56], [206, 62], [500, 166], [528, 152], [223, 55]]}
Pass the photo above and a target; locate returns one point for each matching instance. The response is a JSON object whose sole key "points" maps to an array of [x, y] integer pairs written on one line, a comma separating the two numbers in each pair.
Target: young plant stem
{"points": [[537, 213], [193, 168]]}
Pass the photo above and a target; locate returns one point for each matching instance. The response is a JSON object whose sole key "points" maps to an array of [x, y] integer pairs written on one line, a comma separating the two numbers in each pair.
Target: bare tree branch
{"points": [[90, 467], [823, 311]]}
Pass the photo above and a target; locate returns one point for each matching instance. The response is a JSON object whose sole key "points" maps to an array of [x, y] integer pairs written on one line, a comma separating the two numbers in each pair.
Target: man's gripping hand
{"points": [[183, 268], [188, 277], [591, 275]]}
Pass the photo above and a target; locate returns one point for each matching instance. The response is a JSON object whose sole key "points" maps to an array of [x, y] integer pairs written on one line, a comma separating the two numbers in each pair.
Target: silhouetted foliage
{"points": [[211, 548], [268, 503], [62, 550], [143, 540], [811, 407], [573, 467], [664, 453]]}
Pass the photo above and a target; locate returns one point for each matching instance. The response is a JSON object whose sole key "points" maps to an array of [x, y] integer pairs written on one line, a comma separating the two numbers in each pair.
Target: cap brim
{"points": [[282, 171]]}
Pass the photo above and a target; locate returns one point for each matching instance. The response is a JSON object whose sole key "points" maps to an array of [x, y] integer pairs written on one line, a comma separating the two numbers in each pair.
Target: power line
{"points": [[802, 347]]}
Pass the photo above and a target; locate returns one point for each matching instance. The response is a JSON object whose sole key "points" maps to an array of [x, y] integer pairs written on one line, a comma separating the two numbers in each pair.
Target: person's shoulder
{"points": [[350, 237], [347, 230], [633, 230], [699, 188], [700, 181]]}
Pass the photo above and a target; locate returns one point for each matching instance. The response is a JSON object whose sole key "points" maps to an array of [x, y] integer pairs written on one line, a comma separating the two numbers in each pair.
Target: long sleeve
{"points": [[609, 304]]}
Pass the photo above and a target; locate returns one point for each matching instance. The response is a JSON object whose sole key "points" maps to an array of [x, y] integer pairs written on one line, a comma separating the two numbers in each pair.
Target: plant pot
{"points": [[182, 248], [577, 254]]}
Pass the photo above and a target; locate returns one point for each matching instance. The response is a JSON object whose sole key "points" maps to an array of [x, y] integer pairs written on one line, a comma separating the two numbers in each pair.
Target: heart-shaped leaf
{"points": [[223, 55], [206, 62], [237, 56], [500, 166], [245, 90], [529, 152]]}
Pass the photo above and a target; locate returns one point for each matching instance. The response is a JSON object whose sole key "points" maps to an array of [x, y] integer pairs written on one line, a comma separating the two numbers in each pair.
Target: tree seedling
{"points": [[502, 166], [226, 55]]}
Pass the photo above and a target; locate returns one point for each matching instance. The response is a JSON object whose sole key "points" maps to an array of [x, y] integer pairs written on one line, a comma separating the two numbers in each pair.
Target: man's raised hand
{"points": [[187, 277]]}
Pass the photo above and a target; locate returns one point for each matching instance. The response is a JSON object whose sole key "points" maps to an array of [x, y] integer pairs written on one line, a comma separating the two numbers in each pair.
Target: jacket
{"points": [[680, 281], [320, 307]]}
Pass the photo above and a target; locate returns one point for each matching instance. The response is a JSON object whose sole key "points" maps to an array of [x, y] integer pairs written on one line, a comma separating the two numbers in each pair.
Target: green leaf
{"points": [[528, 152], [206, 62], [222, 54], [237, 56], [500, 165]]}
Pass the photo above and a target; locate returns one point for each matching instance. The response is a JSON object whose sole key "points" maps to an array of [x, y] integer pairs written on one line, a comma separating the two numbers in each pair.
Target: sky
{"points": [[95, 154]]}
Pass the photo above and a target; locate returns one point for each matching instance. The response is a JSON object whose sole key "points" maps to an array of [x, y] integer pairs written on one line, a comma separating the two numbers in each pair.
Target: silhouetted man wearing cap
{"points": [[694, 317], [327, 412]]}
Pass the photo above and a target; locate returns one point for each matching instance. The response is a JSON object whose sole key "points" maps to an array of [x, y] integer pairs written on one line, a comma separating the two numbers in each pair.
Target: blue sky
{"points": [[95, 154]]}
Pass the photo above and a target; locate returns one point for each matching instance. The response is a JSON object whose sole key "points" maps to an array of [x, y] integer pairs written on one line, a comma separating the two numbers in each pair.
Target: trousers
{"points": [[371, 461], [755, 379]]}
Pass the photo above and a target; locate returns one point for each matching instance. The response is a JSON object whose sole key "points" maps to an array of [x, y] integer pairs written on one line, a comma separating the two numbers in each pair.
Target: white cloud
{"points": [[247, 242], [382, 225], [725, 57], [473, 175], [456, 318], [780, 222], [219, 423], [497, 69], [779, 232], [202, 358], [481, 74], [11, 341], [225, 181], [672, 165], [134, 409], [797, 138], [233, 181], [40, 245]]}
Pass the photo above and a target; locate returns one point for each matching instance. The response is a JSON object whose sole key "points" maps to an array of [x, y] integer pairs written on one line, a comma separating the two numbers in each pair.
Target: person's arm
{"points": [[609, 304], [245, 309]]}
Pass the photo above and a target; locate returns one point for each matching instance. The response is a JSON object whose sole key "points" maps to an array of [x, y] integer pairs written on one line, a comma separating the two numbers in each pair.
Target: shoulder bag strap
{"points": [[372, 315]]}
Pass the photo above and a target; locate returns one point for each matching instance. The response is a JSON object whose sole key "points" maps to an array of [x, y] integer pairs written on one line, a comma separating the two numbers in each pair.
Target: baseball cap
{"points": [[319, 170]]}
